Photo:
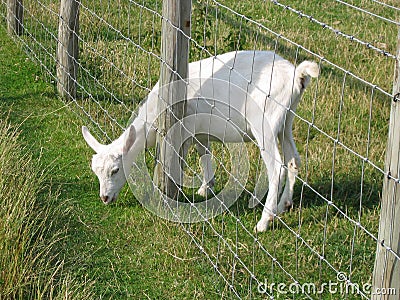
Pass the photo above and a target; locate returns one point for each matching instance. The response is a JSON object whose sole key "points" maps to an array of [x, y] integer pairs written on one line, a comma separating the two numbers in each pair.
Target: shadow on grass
{"points": [[9, 101], [346, 195]]}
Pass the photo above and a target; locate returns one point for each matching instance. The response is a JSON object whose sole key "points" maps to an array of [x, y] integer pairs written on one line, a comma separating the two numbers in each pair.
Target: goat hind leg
{"points": [[286, 199], [292, 161], [273, 163]]}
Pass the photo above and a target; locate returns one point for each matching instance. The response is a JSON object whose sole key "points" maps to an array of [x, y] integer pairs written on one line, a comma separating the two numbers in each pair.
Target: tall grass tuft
{"points": [[33, 225]]}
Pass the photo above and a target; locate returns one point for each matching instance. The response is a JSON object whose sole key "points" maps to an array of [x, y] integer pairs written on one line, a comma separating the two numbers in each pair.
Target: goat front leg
{"points": [[207, 185]]}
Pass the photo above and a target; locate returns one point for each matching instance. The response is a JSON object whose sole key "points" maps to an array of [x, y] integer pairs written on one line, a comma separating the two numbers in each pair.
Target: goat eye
{"points": [[114, 171]]}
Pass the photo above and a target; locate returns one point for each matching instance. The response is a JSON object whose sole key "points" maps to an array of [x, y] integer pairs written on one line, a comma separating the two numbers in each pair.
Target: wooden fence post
{"points": [[15, 16], [387, 266], [67, 48], [174, 68]]}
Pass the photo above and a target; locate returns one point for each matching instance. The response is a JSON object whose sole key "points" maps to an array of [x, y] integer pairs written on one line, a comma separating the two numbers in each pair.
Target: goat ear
{"points": [[90, 140], [130, 136]]}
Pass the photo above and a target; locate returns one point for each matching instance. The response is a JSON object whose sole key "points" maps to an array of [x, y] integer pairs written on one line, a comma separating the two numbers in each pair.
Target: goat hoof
{"points": [[260, 227], [204, 191]]}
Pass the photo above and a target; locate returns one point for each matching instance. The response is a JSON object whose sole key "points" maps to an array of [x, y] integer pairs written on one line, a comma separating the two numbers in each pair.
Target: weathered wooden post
{"points": [[15, 16], [172, 94], [387, 266], [67, 48]]}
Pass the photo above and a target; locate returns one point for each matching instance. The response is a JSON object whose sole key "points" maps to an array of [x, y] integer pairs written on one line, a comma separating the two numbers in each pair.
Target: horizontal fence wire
{"points": [[368, 12], [336, 31], [386, 5], [340, 130]]}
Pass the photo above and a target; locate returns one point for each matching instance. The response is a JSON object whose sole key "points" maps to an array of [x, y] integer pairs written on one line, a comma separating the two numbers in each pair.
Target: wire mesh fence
{"points": [[325, 245]]}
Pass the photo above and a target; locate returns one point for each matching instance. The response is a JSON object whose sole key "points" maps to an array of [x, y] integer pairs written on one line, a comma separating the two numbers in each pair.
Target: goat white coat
{"points": [[257, 91]]}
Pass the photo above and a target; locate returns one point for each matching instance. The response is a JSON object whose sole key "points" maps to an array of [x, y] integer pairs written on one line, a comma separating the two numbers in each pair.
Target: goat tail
{"points": [[304, 71], [307, 68]]}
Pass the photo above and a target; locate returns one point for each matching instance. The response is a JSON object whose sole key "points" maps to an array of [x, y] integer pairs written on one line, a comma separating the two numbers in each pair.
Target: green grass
{"points": [[123, 251], [34, 224]]}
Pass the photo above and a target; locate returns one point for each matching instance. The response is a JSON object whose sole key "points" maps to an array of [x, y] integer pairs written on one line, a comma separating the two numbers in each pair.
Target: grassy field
{"points": [[122, 251], [115, 252], [35, 222]]}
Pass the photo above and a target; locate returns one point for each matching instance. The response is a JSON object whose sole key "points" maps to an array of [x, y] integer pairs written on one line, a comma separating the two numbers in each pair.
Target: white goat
{"points": [[255, 90]]}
